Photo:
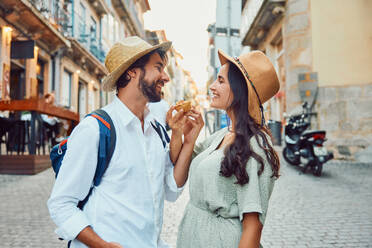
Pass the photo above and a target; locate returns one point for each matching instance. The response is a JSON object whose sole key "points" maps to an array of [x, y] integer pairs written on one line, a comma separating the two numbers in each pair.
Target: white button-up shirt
{"points": [[127, 206]]}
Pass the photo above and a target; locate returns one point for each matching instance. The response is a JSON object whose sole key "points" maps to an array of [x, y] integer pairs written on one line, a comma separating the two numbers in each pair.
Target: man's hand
{"points": [[91, 239], [194, 124]]}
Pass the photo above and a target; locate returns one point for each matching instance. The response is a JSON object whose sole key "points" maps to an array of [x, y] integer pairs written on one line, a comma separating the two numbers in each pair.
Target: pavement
{"points": [[334, 210]]}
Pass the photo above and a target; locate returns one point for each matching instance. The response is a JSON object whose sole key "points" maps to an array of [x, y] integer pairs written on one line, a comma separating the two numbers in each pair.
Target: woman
{"points": [[232, 173]]}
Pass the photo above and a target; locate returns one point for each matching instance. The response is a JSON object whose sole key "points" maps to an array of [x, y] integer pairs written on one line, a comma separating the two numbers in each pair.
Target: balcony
{"points": [[100, 6], [257, 19], [127, 10], [97, 50], [32, 17], [62, 19], [134, 15]]}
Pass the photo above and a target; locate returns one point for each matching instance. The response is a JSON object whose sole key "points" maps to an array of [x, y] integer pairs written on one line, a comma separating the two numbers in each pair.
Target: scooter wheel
{"points": [[317, 169], [290, 158]]}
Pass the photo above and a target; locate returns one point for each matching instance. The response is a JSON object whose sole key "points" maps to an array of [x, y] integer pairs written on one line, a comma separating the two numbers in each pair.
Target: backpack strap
{"points": [[167, 139], [107, 141], [106, 149]]}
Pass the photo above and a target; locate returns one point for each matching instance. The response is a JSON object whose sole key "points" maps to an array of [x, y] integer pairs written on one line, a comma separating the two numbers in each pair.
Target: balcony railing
{"points": [[249, 12], [134, 13], [63, 20], [41, 5], [97, 50], [57, 14]]}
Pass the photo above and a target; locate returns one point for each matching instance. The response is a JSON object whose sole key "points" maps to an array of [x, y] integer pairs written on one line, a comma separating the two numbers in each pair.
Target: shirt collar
{"points": [[123, 111], [127, 116]]}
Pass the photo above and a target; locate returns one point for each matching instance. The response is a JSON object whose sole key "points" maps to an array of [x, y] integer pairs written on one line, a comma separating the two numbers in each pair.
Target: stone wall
{"points": [[344, 109], [346, 114], [298, 47]]}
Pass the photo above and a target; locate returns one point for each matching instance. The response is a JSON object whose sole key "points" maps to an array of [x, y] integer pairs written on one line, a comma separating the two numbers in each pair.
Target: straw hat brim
{"points": [[109, 82], [253, 102]]}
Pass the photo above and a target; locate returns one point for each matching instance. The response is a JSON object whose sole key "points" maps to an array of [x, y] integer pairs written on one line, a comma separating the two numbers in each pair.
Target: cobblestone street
{"points": [[334, 210]]}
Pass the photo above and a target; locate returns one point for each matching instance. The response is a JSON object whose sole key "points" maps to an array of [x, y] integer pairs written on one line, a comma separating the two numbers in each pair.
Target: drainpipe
{"points": [[229, 26]]}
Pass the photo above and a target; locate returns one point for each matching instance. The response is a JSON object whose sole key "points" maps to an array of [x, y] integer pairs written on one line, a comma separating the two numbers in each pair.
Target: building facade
{"points": [[329, 40], [69, 39]]}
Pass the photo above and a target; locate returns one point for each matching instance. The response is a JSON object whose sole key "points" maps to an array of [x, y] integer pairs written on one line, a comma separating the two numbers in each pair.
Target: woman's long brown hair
{"points": [[240, 151]]}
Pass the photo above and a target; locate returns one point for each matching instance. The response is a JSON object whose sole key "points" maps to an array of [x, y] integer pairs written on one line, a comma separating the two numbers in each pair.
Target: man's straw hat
{"points": [[260, 76], [123, 54]]}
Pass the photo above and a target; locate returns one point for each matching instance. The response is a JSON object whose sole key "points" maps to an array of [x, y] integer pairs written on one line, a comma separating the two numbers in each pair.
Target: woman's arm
{"points": [[176, 123], [251, 234], [193, 126]]}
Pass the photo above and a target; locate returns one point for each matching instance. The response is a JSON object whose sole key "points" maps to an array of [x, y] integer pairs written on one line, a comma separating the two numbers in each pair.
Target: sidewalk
{"points": [[334, 210]]}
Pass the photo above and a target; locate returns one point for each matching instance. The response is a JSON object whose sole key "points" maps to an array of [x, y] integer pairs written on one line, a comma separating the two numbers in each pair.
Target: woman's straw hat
{"points": [[260, 76], [123, 54]]}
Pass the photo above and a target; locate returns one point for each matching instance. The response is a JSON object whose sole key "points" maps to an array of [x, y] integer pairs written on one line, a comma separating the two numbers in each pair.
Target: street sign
{"points": [[308, 86]]}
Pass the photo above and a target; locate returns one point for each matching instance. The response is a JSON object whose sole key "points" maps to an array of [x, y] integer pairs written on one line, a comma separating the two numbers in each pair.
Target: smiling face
{"points": [[222, 95], [153, 78]]}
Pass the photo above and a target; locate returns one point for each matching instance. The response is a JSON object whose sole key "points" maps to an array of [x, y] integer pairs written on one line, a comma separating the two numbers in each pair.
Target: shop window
{"points": [[66, 89], [82, 100], [40, 67], [17, 80], [91, 102]]}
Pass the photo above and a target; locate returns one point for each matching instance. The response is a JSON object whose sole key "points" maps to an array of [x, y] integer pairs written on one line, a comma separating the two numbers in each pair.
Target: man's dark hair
{"points": [[124, 79]]}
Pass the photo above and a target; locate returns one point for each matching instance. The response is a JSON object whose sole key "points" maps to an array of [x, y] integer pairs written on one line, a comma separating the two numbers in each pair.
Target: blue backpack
{"points": [[106, 147]]}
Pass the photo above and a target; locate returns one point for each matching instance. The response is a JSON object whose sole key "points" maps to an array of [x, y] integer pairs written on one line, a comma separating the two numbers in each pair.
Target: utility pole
{"points": [[226, 36]]}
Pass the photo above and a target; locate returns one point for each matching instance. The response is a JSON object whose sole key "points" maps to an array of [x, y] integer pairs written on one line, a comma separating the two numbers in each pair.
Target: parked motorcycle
{"points": [[303, 147]]}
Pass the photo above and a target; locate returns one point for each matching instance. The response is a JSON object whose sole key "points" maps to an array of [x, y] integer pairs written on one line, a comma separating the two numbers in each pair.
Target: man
{"points": [[126, 209]]}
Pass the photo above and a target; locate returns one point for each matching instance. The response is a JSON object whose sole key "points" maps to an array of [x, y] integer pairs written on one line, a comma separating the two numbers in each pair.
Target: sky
{"points": [[185, 23]]}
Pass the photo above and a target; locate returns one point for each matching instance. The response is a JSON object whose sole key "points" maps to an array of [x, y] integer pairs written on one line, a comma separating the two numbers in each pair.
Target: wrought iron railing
{"points": [[134, 13], [62, 18]]}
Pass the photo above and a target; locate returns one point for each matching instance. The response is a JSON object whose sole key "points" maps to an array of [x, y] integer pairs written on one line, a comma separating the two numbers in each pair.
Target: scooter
{"points": [[303, 147]]}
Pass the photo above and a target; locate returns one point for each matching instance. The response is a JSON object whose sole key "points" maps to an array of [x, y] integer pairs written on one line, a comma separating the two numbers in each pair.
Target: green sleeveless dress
{"points": [[213, 215]]}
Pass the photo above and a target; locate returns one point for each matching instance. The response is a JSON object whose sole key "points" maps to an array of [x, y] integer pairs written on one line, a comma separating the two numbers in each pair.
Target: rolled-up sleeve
{"points": [[254, 196], [172, 191], [75, 179]]}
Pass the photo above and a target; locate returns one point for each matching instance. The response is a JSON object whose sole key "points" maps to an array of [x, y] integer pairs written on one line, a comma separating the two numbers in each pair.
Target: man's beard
{"points": [[149, 89]]}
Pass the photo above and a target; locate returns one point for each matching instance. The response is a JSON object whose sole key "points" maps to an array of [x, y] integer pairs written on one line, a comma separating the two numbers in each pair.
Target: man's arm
{"points": [[73, 183], [91, 239]]}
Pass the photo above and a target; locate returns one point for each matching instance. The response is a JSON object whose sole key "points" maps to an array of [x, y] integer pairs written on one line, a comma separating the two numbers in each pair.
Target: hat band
{"points": [[254, 88]]}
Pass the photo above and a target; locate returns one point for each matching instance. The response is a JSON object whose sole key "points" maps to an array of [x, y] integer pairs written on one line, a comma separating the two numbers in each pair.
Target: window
{"points": [[91, 102], [93, 29], [117, 32], [82, 18], [66, 89], [104, 27], [40, 77], [111, 27], [103, 98], [93, 37], [82, 102]]}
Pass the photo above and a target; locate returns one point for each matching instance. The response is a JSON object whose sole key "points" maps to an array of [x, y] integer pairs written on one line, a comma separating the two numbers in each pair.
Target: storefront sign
{"points": [[22, 49]]}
